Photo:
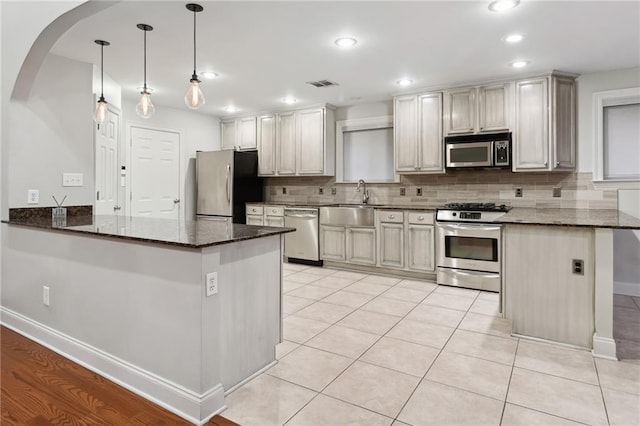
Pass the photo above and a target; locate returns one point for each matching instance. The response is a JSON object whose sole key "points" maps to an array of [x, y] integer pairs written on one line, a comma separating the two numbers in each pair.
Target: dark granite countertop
{"points": [[571, 217], [320, 204], [181, 233]]}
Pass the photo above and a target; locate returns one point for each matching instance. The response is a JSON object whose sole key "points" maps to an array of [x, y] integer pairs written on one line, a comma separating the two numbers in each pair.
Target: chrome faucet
{"points": [[365, 193]]}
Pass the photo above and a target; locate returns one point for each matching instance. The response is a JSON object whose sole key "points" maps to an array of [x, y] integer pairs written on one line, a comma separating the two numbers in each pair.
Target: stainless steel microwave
{"points": [[489, 150]]}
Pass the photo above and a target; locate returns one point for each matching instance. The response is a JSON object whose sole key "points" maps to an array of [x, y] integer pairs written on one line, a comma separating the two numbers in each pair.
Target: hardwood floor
{"points": [[40, 387]]}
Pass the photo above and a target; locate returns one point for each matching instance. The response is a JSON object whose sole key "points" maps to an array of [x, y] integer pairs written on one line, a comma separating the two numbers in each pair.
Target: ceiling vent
{"points": [[322, 83]]}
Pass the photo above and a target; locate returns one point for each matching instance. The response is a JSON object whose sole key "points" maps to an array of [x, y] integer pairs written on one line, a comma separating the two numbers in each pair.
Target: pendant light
{"points": [[194, 97], [100, 113], [145, 108]]}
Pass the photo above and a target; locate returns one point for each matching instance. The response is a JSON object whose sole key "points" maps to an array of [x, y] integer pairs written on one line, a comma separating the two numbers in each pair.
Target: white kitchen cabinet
{"points": [[460, 111], [333, 241], [420, 247], [390, 227], [255, 214], [286, 144], [477, 109], [544, 134], [310, 147], [418, 133], [274, 216], [228, 136], [494, 107], [239, 134], [361, 246], [266, 145]]}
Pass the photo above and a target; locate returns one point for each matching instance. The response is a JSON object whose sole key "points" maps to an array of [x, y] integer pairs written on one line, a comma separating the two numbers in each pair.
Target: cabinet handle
{"points": [[546, 163], [274, 211], [557, 164], [253, 210], [420, 217], [391, 216]]}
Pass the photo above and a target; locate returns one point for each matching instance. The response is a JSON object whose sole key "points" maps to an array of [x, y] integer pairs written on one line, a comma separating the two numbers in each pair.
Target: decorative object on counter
{"points": [[59, 213], [194, 97], [100, 113], [145, 108]]}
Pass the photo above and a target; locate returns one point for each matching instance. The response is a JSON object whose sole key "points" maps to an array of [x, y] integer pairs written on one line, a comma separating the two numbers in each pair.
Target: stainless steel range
{"points": [[469, 249]]}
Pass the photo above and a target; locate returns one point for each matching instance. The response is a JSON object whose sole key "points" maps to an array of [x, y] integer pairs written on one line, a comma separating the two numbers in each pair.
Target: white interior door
{"points": [[107, 165], [155, 173]]}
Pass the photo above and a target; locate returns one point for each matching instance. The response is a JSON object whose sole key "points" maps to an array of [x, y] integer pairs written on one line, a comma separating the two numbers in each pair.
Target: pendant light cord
{"points": [[102, 72], [144, 87], [194, 44]]}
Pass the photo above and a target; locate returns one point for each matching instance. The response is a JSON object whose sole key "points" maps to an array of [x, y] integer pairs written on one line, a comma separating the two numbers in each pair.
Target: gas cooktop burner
{"points": [[483, 207]]}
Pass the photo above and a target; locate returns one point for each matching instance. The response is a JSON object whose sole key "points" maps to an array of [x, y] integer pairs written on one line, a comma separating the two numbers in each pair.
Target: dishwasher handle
{"points": [[301, 212]]}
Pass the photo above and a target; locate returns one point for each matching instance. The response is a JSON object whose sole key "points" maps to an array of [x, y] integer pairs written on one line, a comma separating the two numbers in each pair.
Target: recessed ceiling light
{"points": [[230, 108], [209, 75], [346, 42], [519, 64], [404, 82], [289, 100], [502, 5], [514, 38]]}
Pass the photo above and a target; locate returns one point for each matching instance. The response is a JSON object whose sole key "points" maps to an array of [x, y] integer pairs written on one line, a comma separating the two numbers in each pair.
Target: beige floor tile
{"points": [[486, 324], [456, 291], [371, 322], [484, 346], [284, 348], [399, 423], [489, 295], [343, 341], [311, 292], [375, 388], [291, 304], [309, 367], [324, 410], [288, 286], [299, 330], [293, 267], [561, 397], [428, 286], [571, 364], [514, 415], [326, 312], [333, 282], [623, 408], [381, 279], [626, 323], [408, 294], [266, 400], [383, 305], [473, 374], [350, 275], [323, 272], [628, 350], [436, 404], [367, 288], [451, 301], [405, 357], [618, 375], [303, 277], [436, 315], [347, 298], [486, 307], [426, 334], [286, 273], [623, 301]]}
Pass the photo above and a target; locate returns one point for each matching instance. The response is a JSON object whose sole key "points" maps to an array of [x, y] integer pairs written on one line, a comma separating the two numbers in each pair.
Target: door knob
{"points": [[116, 208], [176, 201]]}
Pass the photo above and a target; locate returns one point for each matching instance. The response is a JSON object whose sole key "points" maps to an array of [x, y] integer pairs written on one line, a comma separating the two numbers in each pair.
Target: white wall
{"points": [[200, 133], [375, 109]]}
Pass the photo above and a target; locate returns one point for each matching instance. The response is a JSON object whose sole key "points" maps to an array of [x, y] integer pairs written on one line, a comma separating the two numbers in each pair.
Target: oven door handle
{"points": [[461, 227]]}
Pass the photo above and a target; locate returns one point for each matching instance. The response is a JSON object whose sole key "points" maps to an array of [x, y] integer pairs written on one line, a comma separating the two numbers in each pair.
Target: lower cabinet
{"points": [[361, 246], [255, 214], [333, 243], [391, 245], [420, 247], [265, 215], [255, 220], [406, 240]]}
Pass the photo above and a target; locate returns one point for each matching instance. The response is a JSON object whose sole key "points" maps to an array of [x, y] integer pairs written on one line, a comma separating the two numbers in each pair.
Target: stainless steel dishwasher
{"points": [[303, 245]]}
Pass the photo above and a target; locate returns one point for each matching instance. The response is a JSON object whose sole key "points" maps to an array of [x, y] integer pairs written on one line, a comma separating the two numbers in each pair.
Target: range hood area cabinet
{"points": [[239, 134], [417, 133], [544, 136], [297, 143], [478, 109]]}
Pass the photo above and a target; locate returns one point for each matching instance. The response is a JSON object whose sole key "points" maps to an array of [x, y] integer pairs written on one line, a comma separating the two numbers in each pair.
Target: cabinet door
{"points": [[361, 246], [460, 107], [563, 123], [254, 220], [332, 243], [420, 247], [531, 139], [229, 133], [248, 135], [493, 105], [310, 141], [286, 144], [274, 221], [267, 145], [391, 245], [430, 135], [405, 133]]}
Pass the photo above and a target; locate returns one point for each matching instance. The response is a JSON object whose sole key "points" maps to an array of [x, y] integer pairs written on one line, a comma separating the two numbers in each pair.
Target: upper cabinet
{"points": [[477, 109], [240, 133], [266, 126], [418, 133], [544, 133]]}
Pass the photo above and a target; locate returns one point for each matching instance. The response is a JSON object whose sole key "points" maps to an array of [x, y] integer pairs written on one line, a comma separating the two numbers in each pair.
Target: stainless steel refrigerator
{"points": [[225, 181]]}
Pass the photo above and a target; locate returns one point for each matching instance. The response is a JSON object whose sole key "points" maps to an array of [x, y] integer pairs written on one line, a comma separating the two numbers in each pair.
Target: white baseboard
{"points": [[604, 347], [193, 407], [628, 289]]}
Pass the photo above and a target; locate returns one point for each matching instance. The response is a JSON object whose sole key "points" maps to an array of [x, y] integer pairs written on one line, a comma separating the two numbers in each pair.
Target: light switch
{"points": [[72, 179]]}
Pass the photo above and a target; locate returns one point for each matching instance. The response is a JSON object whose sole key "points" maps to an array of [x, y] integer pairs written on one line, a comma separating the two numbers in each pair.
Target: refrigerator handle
{"points": [[228, 171]]}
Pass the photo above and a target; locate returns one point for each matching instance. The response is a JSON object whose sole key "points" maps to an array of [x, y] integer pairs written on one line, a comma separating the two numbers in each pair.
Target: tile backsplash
{"points": [[499, 186]]}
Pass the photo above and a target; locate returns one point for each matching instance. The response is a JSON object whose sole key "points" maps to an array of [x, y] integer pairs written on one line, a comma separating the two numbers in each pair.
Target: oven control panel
{"points": [[470, 215]]}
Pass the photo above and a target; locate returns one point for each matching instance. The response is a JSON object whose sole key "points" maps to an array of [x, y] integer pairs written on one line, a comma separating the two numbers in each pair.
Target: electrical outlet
{"points": [[557, 191], [33, 196], [72, 179], [211, 283], [45, 295], [321, 191], [403, 192], [519, 192], [334, 191], [419, 192], [284, 190], [577, 265]]}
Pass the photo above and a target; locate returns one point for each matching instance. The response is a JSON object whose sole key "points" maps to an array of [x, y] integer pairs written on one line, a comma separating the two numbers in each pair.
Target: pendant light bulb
{"points": [[194, 97], [145, 108], [100, 113]]}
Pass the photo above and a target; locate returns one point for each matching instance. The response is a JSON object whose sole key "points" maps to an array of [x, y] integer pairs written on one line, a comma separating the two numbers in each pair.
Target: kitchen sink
{"points": [[348, 215]]}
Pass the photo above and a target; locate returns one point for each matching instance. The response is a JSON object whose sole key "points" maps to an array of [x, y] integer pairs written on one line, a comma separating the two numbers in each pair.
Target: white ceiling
{"points": [[264, 51]]}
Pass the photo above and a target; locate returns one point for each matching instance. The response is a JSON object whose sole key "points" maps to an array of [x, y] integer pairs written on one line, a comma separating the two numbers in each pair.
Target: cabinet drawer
{"points": [[253, 209], [274, 210], [392, 216], [421, 218]]}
